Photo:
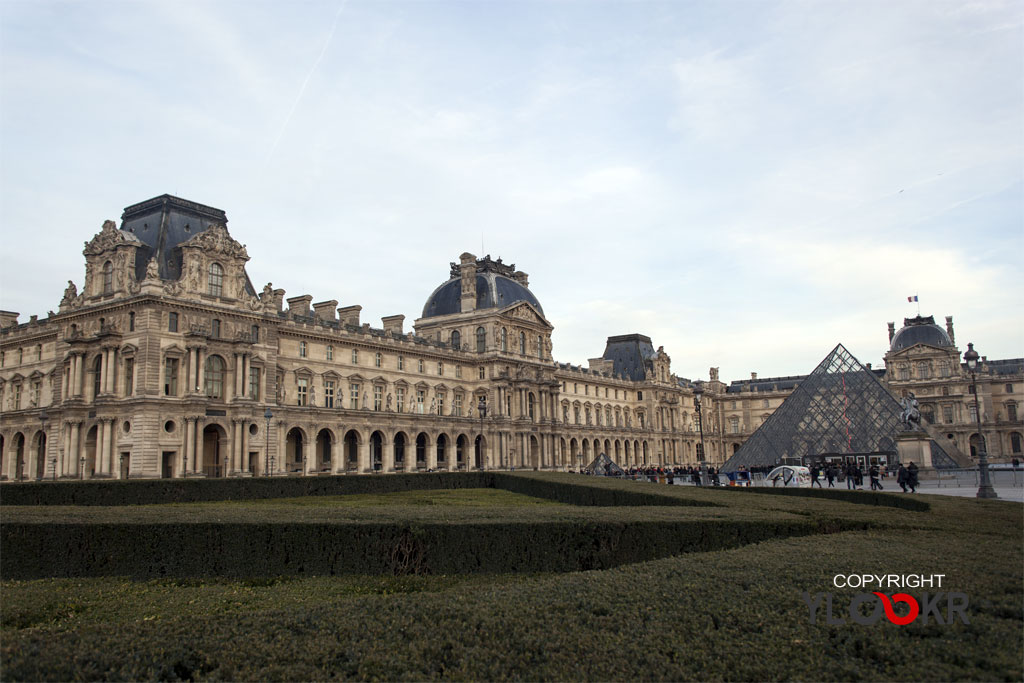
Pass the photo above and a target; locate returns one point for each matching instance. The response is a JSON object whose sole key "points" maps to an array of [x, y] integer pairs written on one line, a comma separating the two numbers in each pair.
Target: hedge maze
{"points": [[276, 580]]}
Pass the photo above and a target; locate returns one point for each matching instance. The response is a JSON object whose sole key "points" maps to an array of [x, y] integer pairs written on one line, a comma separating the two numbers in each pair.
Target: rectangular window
{"points": [[328, 393], [440, 368], [457, 407], [400, 395], [378, 360], [606, 392], [355, 356], [353, 396], [440, 403], [215, 329], [483, 373], [34, 394], [172, 322], [302, 349], [1009, 388], [254, 383], [401, 362], [330, 352], [378, 398], [16, 398], [171, 377], [586, 390], [458, 371], [129, 376], [419, 364], [254, 334], [970, 388], [420, 396], [1011, 412], [131, 321], [639, 395], [302, 390]]}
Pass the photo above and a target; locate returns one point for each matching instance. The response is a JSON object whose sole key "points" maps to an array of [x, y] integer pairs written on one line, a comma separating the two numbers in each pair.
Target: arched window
{"points": [[481, 340], [108, 278], [216, 280], [944, 369], [904, 372], [922, 370], [215, 377], [504, 339], [529, 405], [456, 340], [522, 343]]}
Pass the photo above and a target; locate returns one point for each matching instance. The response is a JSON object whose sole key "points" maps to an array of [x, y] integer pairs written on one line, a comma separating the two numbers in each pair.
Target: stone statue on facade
{"points": [[911, 415], [389, 403], [153, 269], [70, 293]]}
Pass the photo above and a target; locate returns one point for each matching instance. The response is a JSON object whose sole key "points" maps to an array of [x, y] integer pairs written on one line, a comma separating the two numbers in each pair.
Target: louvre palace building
{"points": [[168, 362]]}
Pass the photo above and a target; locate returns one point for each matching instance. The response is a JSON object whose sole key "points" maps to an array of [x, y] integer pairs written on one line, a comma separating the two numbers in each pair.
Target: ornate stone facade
{"points": [[168, 363]]}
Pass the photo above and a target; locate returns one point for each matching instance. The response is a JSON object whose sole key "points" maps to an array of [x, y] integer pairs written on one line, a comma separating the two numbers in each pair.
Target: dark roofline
{"points": [[630, 338], [166, 200]]}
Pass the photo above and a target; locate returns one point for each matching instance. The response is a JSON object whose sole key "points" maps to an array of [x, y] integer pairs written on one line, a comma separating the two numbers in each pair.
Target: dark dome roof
{"points": [[919, 330], [492, 291]]}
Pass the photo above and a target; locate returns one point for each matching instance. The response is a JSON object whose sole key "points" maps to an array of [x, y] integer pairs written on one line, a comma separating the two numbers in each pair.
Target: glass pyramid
{"points": [[840, 408]]}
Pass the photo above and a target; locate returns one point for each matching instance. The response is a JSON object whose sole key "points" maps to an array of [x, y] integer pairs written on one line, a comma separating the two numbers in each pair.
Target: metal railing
{"points": [[1001, 478]]}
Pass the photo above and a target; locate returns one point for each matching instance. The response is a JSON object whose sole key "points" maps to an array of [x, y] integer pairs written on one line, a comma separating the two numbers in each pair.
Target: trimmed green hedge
{"points": [[846, 495], [157, 491], [32, 551], [152, 491]]}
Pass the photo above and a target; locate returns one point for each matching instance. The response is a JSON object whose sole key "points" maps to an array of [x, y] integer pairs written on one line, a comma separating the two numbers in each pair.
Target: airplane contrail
{"points": [[305, 82]]}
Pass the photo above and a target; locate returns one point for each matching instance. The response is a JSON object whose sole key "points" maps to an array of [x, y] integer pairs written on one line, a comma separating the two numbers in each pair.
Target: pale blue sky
{"points": [[748, 183]]}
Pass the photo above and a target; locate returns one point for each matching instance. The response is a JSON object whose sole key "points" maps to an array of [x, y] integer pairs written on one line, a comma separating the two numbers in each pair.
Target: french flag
{"points": [[911, 299]]}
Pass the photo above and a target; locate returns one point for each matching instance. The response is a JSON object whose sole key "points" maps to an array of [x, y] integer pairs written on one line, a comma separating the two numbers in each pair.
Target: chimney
{"points": [[467, 268], [349, 315], [949, 329], [522, 278], [279, 299], [892, 331], [299, 305], [8, 318], [325, 310], [394, 324], [753, 376]]}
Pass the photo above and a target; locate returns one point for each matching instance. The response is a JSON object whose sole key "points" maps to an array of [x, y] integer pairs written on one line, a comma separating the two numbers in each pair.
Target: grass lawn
{"points": [[733, 614]]}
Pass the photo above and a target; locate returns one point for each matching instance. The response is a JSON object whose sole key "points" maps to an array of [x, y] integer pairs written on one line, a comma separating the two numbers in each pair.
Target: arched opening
{"points": [[735, 447], [461, 444], [216, 280], [19, 456], [586, 453], [376, 451], [534, 452], [562, 453], [478, 452], [293, 447], [91, 442], [481, 339], [351, 450], [421, 450], [399, 451], [645, 451], [215, 451], [40, 446], [574, 452], [324, 450], [442, 446], [975, 442], [456, 340]]}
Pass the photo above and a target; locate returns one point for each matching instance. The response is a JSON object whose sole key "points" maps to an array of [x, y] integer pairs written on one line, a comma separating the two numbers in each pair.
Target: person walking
{"points": [[912, 477], [815, 473], [876, 485], [851, 476], [901, 477], [830, 476]]}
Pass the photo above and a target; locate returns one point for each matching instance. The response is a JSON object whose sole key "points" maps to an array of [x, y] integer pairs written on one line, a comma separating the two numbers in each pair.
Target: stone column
{"points": [[387, 456], [198, 460], [449, 455], [200, 372], [364, 455], [236, 447], [190, 388], [431, 459], [76, 375], [309, 454], [103, 447], [187, 446], [245, 446], [238, 375], [74, 452], [281, 456]]}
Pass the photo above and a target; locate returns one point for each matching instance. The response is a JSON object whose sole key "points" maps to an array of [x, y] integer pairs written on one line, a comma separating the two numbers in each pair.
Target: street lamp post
{"points": [[985, 489], [698, 393], [481, 408], [267, 415], [82, 470]]}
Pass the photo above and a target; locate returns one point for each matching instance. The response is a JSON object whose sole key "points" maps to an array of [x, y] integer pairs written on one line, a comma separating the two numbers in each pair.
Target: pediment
{"points": [[331, 374], [303, 370], [523, 311]]}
